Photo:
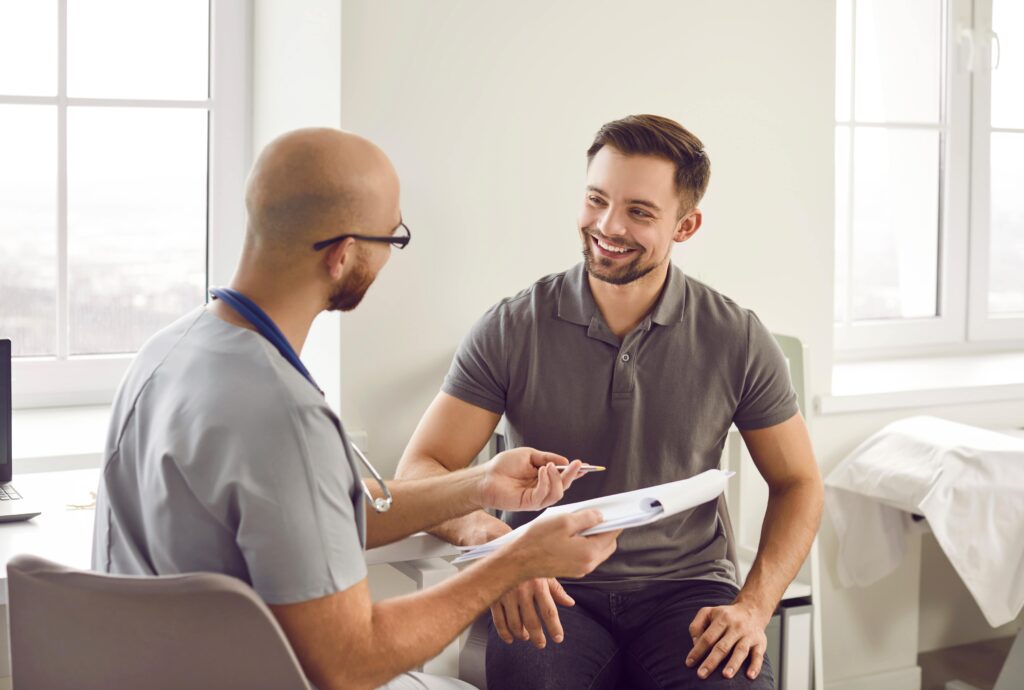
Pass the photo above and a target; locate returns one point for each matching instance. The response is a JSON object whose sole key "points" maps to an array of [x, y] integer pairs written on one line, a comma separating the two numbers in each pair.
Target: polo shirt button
{"points": [[625, 357]]}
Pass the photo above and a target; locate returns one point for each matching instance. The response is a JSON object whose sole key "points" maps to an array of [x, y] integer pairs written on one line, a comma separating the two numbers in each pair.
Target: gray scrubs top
{"points": [[221, 457], [652, 407]]}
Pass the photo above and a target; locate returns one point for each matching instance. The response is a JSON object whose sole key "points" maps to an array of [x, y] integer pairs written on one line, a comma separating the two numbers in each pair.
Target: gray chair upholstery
{"points": [[90, 631]]}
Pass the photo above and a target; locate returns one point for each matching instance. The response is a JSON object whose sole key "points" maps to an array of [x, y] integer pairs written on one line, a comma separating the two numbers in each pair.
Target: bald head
{"points": [[311, 184]]}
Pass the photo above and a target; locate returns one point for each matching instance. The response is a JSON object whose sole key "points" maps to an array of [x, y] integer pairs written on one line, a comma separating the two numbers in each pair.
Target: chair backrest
{"points": [[90, 631]]}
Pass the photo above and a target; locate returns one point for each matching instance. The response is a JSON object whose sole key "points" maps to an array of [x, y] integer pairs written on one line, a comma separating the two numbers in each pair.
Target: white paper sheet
{"points": [[625, 510]]}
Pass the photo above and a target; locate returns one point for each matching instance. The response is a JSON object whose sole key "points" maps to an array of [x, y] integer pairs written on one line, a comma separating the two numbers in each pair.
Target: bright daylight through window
{"points": [[929, 172], [104, 119]]}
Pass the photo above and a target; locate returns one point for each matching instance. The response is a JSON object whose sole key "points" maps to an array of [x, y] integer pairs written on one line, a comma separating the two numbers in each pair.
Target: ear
{"points": [[688, 225], [339, 256]]}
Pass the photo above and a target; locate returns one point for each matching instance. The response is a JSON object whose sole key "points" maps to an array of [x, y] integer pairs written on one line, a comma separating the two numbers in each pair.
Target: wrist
{"points": [[476, 495], [519, 566], [759, 606]]}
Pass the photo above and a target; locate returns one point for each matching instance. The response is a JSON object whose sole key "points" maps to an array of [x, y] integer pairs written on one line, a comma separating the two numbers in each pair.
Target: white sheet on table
{"points": [[968, 483]]}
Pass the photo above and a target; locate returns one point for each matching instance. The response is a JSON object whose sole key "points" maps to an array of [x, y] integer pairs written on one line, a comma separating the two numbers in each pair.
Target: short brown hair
{"points": [[653, 135]]}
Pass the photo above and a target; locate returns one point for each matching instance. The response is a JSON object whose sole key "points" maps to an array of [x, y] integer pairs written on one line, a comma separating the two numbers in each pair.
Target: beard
{"points": [[607, 270], [352, 289]]}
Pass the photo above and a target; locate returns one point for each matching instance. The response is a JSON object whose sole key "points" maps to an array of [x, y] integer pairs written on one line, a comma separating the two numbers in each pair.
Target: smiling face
{"points": [[630, 216]]}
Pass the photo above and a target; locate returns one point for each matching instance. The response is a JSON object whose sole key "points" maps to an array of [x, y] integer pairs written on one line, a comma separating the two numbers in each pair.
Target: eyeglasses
{"points": [[394, 238]]}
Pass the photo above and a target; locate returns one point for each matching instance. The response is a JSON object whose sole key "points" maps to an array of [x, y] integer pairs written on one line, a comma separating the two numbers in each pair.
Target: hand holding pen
{"points": [[527, 479]]}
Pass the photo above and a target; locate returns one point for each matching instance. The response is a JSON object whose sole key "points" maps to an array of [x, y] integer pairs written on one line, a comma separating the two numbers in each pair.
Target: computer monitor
{"points": [[5, 411]]}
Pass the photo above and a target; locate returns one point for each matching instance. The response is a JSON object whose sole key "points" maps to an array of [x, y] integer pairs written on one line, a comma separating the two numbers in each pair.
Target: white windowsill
{"points": [[59, 438], [50, 439], [924, 381]]}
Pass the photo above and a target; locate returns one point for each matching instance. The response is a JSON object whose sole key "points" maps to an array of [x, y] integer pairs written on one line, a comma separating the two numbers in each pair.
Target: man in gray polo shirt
{"points": [[626, 362]]}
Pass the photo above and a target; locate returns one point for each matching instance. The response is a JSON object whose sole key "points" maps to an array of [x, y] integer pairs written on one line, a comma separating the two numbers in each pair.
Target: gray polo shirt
{"points": [[652, 407], [221, 457]]}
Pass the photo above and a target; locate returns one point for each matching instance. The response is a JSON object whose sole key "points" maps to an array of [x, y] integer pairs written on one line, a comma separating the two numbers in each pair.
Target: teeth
{"points": [[611, 248]]}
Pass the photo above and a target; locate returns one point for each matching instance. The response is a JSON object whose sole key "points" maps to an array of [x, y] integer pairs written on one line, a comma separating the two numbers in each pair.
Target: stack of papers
{"points": [[625, 510]]}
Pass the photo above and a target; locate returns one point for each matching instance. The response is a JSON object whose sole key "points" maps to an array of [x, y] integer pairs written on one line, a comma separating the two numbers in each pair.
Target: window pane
{"points": [[28, 47], [1006, 257], [131, 49], [136, 223], [1008, 78], [898, 61], [895, 223], [28, 228]]}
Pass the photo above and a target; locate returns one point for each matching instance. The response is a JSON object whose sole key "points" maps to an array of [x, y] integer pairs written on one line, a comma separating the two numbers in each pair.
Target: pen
{"points": [[584, 469]]}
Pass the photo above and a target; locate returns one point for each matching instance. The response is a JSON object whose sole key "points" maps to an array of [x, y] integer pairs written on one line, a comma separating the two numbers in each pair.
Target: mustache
{"points": [[594, 232]]}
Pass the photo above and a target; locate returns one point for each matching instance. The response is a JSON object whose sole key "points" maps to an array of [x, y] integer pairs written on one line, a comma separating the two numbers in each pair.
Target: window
{"points": [[123, 138], [929, 152]]}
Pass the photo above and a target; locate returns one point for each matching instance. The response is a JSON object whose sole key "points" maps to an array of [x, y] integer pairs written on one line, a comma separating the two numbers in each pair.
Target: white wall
{"points": [[487, 110], [296, 77]]}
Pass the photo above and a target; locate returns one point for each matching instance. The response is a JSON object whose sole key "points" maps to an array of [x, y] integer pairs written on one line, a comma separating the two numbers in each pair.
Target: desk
{"points": [[64, 535], [60, 533]]}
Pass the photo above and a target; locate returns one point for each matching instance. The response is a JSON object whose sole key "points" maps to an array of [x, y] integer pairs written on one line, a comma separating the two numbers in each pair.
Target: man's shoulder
{"points": [[199, 367], [708, 306], [540, 297]]}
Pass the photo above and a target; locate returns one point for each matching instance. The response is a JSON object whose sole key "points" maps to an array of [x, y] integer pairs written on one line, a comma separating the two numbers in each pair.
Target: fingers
{"points": [[548, 611], [500, 624], [543, 486], [704, 643], [719, 651], [570, 475], [700, 623], [756, 661], [559, 594], [528, 613], [555, 491], [539, 458], [740, 652], [583, 520], [510, 603]]}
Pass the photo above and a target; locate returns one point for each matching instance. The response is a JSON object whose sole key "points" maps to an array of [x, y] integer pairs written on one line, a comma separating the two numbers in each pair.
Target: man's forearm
{"points": [[458, 528], [790, 523], [408, 630], [421, 504]]}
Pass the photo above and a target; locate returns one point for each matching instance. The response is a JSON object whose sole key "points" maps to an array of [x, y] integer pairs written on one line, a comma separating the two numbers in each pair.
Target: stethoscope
{"points": [[266, 327]]}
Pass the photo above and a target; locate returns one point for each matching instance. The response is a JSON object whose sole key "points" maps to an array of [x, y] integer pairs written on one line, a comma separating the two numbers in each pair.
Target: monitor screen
{"points": [[5, 410]]}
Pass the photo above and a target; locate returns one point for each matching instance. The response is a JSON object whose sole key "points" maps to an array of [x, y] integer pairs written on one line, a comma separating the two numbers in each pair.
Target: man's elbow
{"points": [[808, 488], [415, 465]]}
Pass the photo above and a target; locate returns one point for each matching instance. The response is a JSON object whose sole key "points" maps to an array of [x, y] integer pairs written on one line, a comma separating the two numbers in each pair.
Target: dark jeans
{"points": [[635, 639]]}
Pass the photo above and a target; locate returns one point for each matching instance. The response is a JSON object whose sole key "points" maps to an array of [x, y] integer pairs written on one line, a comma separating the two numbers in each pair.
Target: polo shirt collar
{"points": [[576, 302], [669, 307]]}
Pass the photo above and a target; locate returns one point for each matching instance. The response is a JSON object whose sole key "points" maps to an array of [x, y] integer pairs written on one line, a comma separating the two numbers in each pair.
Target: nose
{"points": [[610, 224]]}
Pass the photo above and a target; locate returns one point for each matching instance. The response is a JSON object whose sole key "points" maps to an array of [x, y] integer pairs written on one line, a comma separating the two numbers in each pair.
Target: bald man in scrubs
{"points": [[223, 456]]}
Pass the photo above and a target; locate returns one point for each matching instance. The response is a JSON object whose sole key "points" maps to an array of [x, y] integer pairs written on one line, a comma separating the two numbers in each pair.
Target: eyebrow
{"points": [[637, 202]]}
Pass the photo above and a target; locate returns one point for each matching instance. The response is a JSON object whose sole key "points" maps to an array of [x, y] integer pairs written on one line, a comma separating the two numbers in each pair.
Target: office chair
{"points": [[90, 631]]}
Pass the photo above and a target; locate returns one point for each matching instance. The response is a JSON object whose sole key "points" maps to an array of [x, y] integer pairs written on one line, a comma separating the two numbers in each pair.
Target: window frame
{"points": [[93, 379], [962, 322], [982, 326]]}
